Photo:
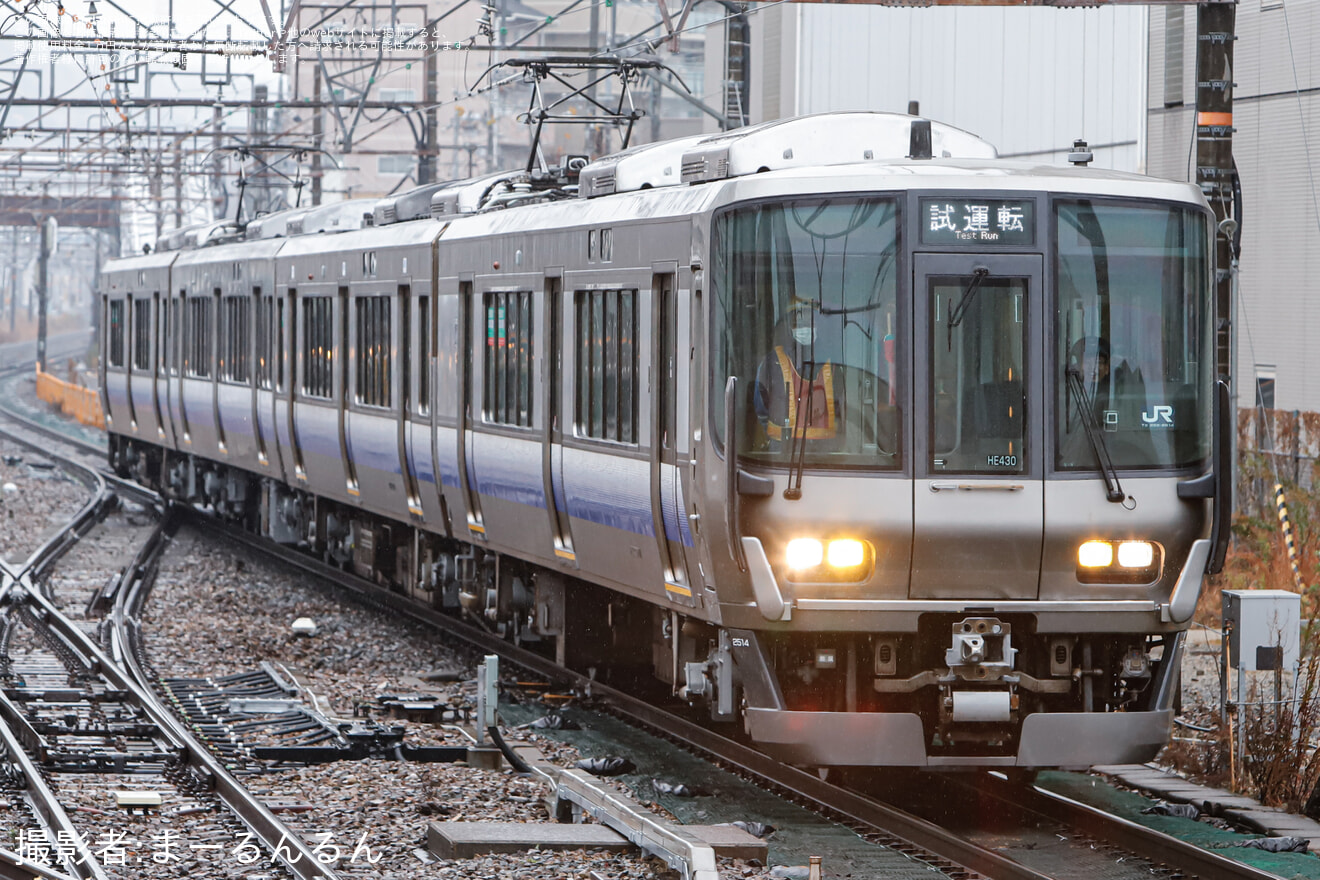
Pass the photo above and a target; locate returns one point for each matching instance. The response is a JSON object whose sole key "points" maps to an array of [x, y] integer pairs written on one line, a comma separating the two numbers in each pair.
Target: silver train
{"points": [[890, 451]]}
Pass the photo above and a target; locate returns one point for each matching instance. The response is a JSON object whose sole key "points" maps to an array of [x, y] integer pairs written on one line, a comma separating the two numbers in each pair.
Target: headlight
{"points": [[846, 553], [804, 553], [1136, 554], [1119, 562], [1095, 554], [839, 560]]}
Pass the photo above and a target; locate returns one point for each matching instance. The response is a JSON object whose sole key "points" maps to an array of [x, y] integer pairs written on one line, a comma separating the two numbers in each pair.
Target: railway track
{"points": [[870, 816], [82, 724]]}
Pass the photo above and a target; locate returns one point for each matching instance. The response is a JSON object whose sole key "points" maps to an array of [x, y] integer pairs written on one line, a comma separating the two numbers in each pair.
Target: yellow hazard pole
{"points": [[1281, 506]]}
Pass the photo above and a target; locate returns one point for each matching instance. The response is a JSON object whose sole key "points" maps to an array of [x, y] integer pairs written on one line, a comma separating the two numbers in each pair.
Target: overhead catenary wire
{"points": [[45, 28]]}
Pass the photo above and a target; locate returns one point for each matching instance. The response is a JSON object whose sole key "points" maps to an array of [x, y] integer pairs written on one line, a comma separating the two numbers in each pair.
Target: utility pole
{"points": [[156, 186], [1215, 27], [427, 169], [13, 283], [178, 187], [217, 169], [48, 232], [316, 137]]}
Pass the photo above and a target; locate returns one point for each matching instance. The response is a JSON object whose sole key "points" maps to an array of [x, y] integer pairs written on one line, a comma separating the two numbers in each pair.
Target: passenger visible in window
{"points": [[796, 395]]}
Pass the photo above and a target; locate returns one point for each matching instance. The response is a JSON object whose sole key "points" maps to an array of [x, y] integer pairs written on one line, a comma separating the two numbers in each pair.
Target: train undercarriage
{"points": [[957, 690]]}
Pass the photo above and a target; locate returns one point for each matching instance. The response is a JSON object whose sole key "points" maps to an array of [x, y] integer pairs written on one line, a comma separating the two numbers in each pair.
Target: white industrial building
{"points": [[1029, 80], [1276, 111]]}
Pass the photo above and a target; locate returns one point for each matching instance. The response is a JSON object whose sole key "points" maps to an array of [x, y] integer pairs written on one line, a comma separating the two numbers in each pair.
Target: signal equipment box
{"points": [[1266, 628]]}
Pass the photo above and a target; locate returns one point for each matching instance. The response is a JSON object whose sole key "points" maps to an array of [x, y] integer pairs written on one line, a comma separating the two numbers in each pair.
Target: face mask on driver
{"points": [[804, 335]]}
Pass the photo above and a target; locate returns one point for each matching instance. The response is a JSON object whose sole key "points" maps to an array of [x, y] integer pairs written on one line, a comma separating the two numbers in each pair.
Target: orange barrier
{"points": [[75, 401]]}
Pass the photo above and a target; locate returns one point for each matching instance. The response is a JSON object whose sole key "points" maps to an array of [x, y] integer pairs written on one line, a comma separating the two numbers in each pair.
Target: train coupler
{"points": [[982, 649]]}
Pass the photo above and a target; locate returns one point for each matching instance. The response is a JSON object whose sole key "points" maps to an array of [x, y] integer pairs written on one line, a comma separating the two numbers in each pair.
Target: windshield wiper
{"points": [[797, 454], [957, 312], [1113, 490]]}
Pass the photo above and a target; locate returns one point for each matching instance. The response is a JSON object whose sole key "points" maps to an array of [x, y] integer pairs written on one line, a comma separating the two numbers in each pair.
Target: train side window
{"points": [[508, 359], [234, 357], [197, 338], [197, 355], [373, 351], [142, 334], [116, 326], [605, 378], [426, 355], [317, 348]]}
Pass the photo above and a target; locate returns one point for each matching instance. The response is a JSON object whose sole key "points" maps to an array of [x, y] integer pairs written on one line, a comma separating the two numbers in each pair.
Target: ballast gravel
{"points": [[214, 612], [36, 500]]}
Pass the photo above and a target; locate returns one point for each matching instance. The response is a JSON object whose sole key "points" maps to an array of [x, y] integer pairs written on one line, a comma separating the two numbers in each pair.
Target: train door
{"points": [[345, 373], [276, 341], [414, 363], [158, 361], [979, 496], [133, 317], [214, 365], [293, 316], [184, 322], [466, 474], [552, 440], [670, 480], [260, 343]]}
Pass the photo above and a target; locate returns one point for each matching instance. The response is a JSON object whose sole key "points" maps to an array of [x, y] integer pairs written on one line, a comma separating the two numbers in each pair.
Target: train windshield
{"points": [[1134, 334], [804, 318]]}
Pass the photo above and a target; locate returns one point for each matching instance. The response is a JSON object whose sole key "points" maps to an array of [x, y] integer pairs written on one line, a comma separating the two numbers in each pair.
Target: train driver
{"points": [[1090, 357], [795, 395]]}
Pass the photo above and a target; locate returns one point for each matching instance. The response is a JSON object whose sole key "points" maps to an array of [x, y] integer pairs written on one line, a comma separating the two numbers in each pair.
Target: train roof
{"points": [[839, 151], [963, 174]]}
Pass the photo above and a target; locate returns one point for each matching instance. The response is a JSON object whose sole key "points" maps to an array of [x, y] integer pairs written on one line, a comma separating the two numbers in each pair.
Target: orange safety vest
{"points": [[822, 386]]}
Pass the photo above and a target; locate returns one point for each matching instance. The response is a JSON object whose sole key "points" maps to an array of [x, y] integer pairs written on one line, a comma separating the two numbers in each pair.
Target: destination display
{"points": [[1008, 222]]}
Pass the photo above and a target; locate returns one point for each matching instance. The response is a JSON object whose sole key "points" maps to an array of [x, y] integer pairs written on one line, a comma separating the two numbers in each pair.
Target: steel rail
{"points": [[122, 487], [852, 806], [78, 859], [282, 842], [1145, 842]]}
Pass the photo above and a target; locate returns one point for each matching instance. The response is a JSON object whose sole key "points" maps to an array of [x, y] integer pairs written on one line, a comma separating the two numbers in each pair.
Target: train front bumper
{"points": [[1070, 740]]}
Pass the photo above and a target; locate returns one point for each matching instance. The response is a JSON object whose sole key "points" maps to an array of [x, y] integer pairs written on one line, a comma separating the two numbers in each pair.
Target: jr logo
{"points": [[1158, 416]]}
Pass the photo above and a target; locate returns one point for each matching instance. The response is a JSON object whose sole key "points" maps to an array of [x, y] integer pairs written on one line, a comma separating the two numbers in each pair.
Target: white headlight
{"points": [[803, 553], [1136, 554], [1095, 554]]}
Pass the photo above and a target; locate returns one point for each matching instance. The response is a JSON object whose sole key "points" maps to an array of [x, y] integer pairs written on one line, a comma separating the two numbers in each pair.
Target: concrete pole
{"points": [[43, 294], [217, 167], [1215, 24], [316, 136], [428, 168], [1215, 33], [13, 283], [178, 186]]}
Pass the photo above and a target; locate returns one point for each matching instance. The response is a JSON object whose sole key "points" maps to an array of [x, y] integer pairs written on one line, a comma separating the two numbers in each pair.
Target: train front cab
{"points": [[938, 569]]}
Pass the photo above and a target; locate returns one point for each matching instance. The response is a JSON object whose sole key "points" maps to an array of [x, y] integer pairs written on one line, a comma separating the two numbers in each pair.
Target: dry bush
{"points": [[1282, 766]]}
